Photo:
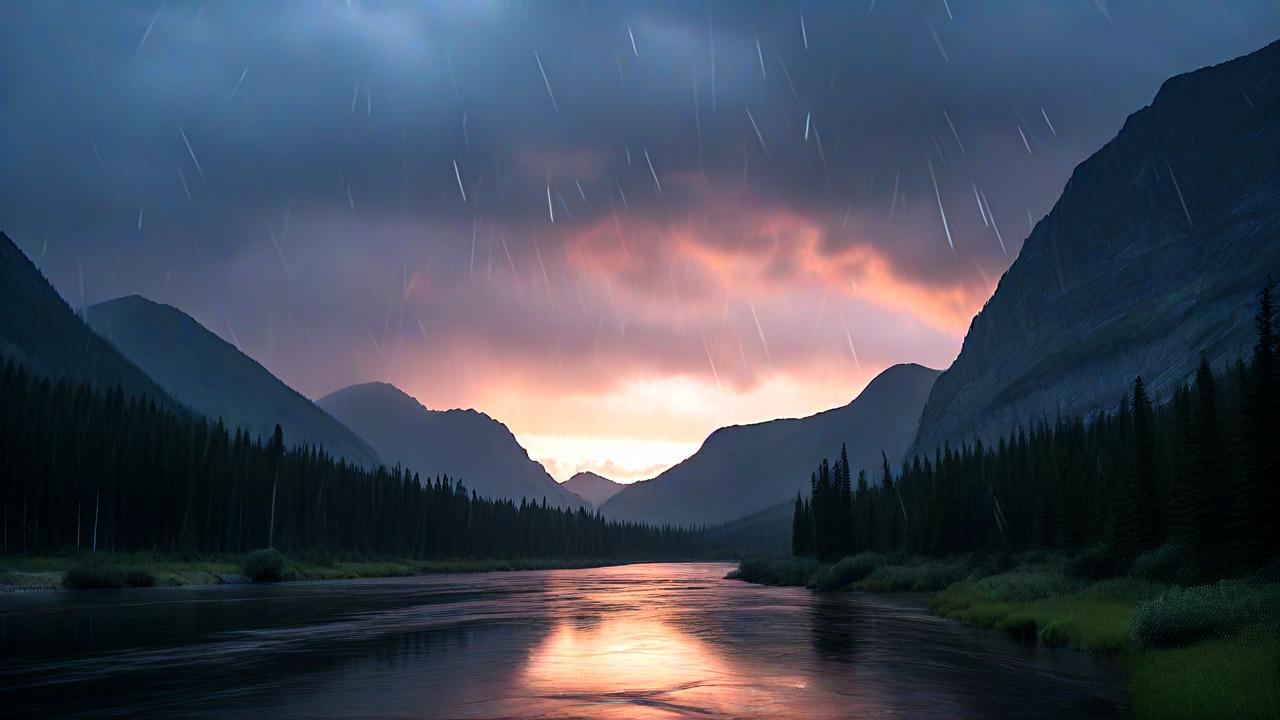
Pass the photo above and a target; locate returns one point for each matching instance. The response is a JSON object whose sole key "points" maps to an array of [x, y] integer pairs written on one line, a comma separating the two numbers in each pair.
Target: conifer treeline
{"points": [[1202, 471], [83, 469]]}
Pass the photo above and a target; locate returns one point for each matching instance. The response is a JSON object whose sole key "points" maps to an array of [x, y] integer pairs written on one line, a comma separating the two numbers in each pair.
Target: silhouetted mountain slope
{"points": [[1150, 258], [592, 487], [215, 379], [41, 332], [743, 469], [766, 532], [459, 443]]}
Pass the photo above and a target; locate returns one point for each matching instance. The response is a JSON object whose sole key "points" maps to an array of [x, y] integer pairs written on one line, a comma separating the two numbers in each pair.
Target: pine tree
{"points": [[798, 534], [845, 512], [1139, 522], [1186, 501], [1255, 501]]}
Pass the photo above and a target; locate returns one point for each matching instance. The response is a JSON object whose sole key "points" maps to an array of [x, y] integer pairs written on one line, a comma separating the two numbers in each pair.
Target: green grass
{"points": [[99, 573], [1047, 605], [1217, 679], [49, 572]]}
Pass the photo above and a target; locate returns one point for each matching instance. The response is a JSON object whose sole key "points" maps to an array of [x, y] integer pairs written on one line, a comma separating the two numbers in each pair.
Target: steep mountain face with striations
{"points": [[744, 469], [1152, 256], [39, 331], [214, 378], [463, 444]]}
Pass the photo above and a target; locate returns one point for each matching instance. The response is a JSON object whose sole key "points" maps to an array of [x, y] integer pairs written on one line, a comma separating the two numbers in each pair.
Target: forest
{"points": [[92, 471], [1196, 472]]}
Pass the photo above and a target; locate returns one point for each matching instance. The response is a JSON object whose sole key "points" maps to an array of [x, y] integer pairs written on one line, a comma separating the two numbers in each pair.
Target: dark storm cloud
{"points": [[292, 104], [286, 171]]}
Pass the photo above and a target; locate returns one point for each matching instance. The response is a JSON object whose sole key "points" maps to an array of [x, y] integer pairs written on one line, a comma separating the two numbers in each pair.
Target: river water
{"points": [[639, 641]]}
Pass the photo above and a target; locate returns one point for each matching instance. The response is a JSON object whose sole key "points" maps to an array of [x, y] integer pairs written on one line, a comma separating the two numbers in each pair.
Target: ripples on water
{"points": [[640, 641]]}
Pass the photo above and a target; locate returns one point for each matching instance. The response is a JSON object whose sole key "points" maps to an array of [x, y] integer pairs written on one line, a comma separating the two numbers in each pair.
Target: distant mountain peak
{"points": [[463, 444], [592, 487], [744, 469]]}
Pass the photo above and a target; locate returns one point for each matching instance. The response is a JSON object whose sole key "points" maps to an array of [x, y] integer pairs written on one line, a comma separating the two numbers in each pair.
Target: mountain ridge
{"points": [[1149, 258], [467, 444], [40, 331], [217, 379], [595, 489], [743, 469]]}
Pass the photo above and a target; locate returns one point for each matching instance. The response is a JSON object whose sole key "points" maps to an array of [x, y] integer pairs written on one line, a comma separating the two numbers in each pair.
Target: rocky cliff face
{"points": [[1152, 256]]}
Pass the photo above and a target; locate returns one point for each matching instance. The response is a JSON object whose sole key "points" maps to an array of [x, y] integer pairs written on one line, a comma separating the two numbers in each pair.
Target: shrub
{"points": [[96, 574], [1023, 585], [1167, 563], [1183, 615], [992, 564], [1097, 563], [923, 577], [138, 577], [1122, 589], [93, 576], [265, 565], [846, 570], [776, 571]]}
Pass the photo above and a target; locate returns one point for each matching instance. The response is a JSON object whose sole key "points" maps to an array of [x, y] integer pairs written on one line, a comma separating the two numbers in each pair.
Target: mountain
{"points": [[1152, 256], [41, 332], [765, 532], [459, 443], [215, 379], [592, 487], [744, 469]]}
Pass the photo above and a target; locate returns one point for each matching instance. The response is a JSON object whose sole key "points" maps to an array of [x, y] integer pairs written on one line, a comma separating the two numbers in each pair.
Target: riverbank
{"points": [[68, 572], [1204, 651]]}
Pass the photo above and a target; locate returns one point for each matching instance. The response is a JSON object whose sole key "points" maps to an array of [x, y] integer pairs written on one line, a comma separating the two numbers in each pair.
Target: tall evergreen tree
{"points": [[1212, 471], [798, 530], [1255, 501], [1138, 526]]}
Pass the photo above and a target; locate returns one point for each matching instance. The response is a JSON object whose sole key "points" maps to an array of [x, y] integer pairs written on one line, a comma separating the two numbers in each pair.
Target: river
{"points": [[638, 641]]}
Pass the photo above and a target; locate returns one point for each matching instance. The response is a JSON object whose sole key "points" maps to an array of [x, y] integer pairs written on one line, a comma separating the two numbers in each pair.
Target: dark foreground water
{"points": [[626, 642]]}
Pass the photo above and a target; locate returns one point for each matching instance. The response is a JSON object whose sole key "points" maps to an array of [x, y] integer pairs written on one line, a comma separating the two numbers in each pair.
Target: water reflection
{"points": [[653, 641], [834, 625], [631, 666]]}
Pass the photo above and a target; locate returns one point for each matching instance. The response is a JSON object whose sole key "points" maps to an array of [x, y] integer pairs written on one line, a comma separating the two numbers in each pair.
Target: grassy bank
{"points": [[1204, 651], [114, 570]]}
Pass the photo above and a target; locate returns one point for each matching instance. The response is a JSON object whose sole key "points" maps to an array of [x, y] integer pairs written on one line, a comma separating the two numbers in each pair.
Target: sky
{"points": [[614, 226]]}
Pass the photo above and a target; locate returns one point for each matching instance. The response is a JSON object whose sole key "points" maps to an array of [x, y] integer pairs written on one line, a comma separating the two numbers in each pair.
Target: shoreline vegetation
{"points": [[143, 569], [1199, 651], [1146, 532]]}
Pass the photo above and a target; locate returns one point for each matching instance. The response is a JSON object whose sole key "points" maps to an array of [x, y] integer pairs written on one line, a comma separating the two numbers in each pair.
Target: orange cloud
{"points": [[740, 250]]}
